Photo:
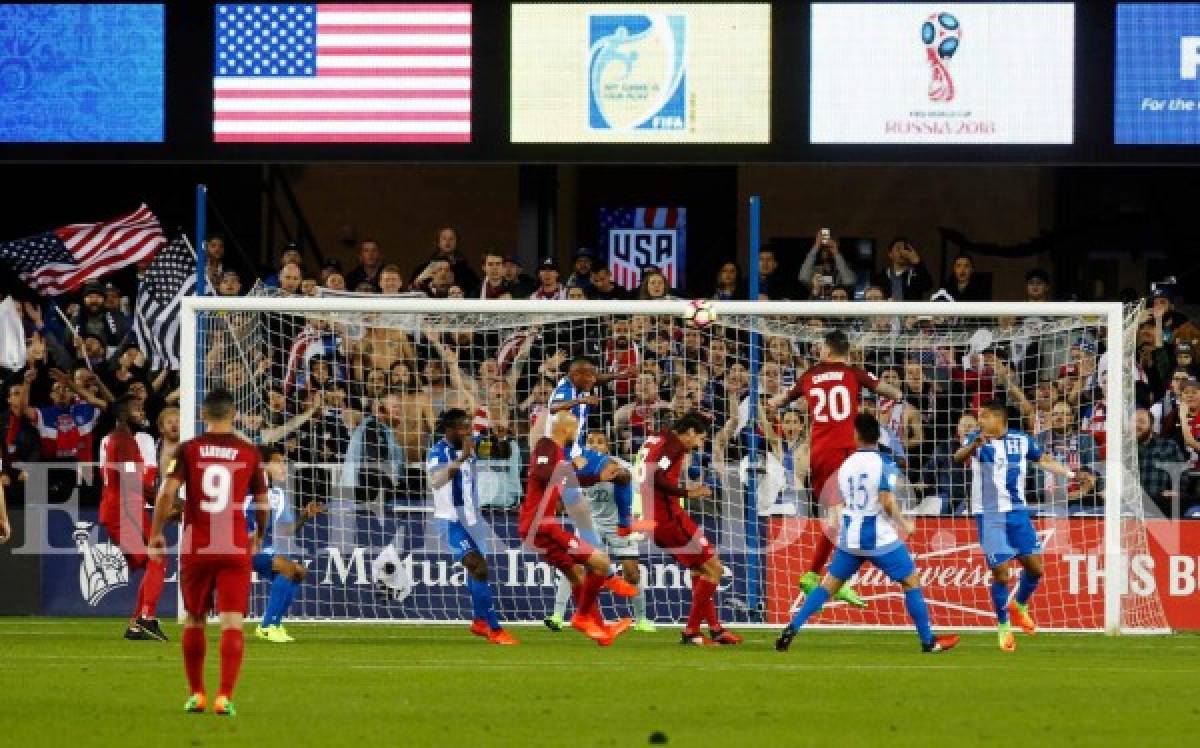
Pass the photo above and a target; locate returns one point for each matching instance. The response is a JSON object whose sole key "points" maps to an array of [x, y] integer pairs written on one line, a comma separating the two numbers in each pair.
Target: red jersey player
{"points": [[217, 469], [129, 471], [552, 481], [833, 391], [665, 456]]}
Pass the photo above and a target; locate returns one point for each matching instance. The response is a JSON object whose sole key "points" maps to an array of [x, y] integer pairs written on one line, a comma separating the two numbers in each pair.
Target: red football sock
{"points": [[137, 607], [589, 593], [710, 610], [193, 657], [151, 589], [232, 645], [821, 553], [702, 592]]}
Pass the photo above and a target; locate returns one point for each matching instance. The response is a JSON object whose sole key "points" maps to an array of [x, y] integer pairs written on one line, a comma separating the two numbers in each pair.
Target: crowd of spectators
{"points": [[355, 406]]}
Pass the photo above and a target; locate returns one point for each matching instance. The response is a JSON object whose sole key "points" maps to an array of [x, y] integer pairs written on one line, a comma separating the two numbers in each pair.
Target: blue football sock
{"points": [[623, 497], [918, 611], [813, 602], [293, 588], [1000, 600], [481, 596], [1026, 587], [276, 600]]}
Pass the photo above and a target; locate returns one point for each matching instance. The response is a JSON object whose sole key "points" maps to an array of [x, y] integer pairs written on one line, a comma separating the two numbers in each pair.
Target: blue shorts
{"points": [[595, 463], [1006, 535], [460, 539], [897, 563]]}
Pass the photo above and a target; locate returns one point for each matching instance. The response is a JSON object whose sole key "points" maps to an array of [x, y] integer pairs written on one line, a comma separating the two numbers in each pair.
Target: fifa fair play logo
{"points": [[637, 72], [940, 33]]}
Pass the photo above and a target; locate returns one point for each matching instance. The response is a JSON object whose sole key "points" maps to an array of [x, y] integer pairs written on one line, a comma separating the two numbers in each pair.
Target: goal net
{"points": [[351, 390]]}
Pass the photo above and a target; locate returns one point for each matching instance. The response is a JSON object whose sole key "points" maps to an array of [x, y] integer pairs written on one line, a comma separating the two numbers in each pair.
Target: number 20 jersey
{"points": [[833, 392], [217, 470]]}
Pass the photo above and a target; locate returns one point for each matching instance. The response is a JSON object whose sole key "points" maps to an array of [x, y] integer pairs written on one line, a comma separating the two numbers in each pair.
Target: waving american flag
{"points": [[62, 260], [342, 72]]}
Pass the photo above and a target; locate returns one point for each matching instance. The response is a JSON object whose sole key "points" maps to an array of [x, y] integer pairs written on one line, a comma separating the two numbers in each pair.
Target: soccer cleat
{"points": [[721, 636], [809, 582], [283, 630], [1019, 614], [847, 595], [277, 635], [940, 644], [135, 634], [1004, 634], [618, 627], [262, 632], [196, 704], [479, 627], [224, 707], [785, 639], [619, 586], [645, 526], [554, 622], [645, 626], [590, 628], [694, 639], [151, 628], [500, 636]]}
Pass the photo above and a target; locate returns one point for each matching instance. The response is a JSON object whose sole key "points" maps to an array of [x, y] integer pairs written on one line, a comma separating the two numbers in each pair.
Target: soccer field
{"points": [[76, 682]]}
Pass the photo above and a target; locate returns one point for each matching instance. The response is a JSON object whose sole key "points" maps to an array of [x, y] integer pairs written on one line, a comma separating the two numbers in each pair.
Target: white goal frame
{"points": [[1116, 424]]}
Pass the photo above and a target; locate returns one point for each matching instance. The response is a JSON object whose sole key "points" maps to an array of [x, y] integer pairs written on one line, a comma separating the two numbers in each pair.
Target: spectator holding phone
{"points": [[905, 278], [824, 267]]}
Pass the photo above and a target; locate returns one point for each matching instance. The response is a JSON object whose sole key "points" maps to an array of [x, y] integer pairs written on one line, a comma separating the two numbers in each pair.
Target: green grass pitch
{"points": [[77, 683]]}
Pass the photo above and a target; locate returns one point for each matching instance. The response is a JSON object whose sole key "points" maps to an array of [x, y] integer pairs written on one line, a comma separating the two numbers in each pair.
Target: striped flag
{"points": [[62, 260], [342, 72], [169, 278], [638, 238]]}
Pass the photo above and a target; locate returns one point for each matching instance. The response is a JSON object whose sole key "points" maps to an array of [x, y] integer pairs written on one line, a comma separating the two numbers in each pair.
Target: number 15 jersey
{"points": [[833, 393], [217, 470]]}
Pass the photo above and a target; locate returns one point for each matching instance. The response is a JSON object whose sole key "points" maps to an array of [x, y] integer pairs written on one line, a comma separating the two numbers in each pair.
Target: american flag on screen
{"points": [[636, 238], [62, 260], [342, 73]]}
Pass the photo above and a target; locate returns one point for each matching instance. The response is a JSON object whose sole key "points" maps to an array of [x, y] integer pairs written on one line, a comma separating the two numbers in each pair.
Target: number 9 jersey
{"points": [[216, 470]]}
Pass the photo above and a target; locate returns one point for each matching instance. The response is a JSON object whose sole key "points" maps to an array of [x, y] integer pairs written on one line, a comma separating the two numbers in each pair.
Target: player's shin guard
{"points": [[821, 553], [562, 594], [194, 645], [589, 592], [639, 601], [151, 589], [623, 498], [813, 602], [481, 596], [277, 600], [1026, 587], [1000, 600], [918, 611], [702, 595], [232, 647]]}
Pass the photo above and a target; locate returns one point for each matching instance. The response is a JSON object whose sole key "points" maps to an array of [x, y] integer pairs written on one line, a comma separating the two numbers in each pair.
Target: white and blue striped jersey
{"points": [[861, 478], [999, 469], [457, 499], [280, 513], [563, 392]]}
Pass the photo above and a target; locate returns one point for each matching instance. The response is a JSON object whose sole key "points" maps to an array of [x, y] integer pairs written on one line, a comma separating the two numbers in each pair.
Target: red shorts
{"points": [[225, 579], [129, 533], [824, 465], [561, 549], [678, 534]]}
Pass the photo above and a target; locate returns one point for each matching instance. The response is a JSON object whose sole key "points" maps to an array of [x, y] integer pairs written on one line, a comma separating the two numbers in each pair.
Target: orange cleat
{"points": [[479, 627], [590, 628], [694, 639], [723, 636], [500, 636], [940, 644], [1020, 616], [619, 626], [638, 525], [619, 586], [1008, 642]]}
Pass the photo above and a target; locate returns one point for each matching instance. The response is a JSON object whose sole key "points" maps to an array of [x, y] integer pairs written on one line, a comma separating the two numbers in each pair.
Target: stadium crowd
{"points": [[357, 405]]}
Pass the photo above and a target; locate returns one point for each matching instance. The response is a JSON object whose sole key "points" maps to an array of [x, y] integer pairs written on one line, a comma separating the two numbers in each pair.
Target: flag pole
{"points": [[71, 328]]}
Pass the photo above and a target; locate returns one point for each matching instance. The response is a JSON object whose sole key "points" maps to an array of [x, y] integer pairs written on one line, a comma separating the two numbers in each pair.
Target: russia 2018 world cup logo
{"points": [[941, 33]]}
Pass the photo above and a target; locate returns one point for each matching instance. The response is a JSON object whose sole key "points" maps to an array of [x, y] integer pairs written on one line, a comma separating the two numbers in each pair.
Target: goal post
{"points": [[497, 356]]}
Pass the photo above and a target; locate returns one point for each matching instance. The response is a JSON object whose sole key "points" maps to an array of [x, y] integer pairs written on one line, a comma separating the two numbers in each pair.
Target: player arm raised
{"points": [[787, 398]]}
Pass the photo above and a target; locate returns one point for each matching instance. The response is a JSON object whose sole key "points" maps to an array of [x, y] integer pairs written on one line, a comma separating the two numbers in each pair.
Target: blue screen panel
{"points": [[81, 73], [1158, 74]]}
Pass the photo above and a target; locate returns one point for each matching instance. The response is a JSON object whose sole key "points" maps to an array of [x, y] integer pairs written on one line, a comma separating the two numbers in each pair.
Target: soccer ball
{"points": [[700, 314], [940, 32]]}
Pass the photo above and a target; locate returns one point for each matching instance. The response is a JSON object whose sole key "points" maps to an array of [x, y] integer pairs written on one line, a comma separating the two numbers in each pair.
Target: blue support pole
{"points": [[754, 558], [201, 236]]}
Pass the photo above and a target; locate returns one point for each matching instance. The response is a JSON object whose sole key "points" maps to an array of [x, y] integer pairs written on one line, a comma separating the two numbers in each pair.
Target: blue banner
{"points": [[1157, 93], [81, 73]]}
